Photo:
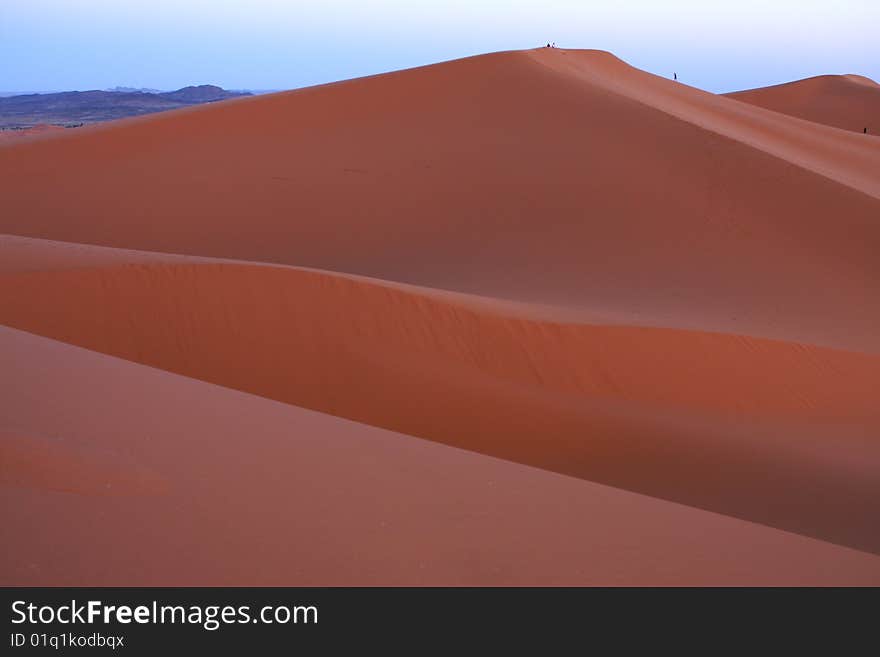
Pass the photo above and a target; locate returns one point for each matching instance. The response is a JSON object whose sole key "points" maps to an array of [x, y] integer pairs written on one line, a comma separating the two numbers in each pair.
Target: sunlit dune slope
{"points": [[133, 474], [851, 102]]}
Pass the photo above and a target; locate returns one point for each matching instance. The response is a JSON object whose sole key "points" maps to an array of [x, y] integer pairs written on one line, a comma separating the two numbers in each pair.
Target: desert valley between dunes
{"points": [[527, 318]]}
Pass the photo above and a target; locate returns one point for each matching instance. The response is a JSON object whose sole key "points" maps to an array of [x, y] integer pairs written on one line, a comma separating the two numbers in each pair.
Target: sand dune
{"points": [[851, 102], [602, 277], [287, 496], [652, 410], [548, 177]]}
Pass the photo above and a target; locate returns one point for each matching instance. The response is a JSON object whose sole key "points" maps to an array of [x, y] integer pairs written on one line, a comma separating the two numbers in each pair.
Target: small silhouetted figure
{"points": [[548, 44], [675, 76]]}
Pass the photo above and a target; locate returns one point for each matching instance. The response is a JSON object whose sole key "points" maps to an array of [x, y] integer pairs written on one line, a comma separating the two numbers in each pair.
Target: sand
{"points": [[643, 312], [41, 130], [156, 479], [850, 102]]}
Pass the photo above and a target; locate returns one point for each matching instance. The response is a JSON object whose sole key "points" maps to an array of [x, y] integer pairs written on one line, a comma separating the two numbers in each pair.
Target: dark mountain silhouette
{"points": [[205, 93], [76, 107]]}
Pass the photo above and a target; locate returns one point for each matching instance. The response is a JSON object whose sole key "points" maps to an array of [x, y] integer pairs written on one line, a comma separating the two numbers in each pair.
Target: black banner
{"points": [[144, 621]]}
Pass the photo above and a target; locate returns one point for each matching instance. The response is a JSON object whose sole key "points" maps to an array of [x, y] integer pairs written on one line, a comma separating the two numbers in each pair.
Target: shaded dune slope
{"points": [[684, 415], [850, 102], [393, 516]]}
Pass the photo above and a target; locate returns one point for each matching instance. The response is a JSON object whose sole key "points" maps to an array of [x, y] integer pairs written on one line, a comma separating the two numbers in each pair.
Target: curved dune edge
{"points": [[850, 102], [20, 255], [774, 432], [291, 497]]}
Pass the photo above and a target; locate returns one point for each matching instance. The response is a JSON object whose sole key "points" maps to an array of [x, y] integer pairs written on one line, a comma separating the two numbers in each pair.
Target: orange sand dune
{"points": [[165, 466], [545, 256], [851, 102], [683, 415]]}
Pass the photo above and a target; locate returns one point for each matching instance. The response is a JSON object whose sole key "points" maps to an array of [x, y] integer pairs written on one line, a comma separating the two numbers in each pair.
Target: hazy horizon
{"points": [[272, 44]]}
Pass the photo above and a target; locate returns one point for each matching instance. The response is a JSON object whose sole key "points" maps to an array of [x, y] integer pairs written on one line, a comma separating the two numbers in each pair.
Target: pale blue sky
{"points": [[275, 44]]}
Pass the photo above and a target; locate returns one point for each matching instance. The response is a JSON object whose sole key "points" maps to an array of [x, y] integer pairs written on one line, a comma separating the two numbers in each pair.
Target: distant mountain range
{"points": [[71, 108]]}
